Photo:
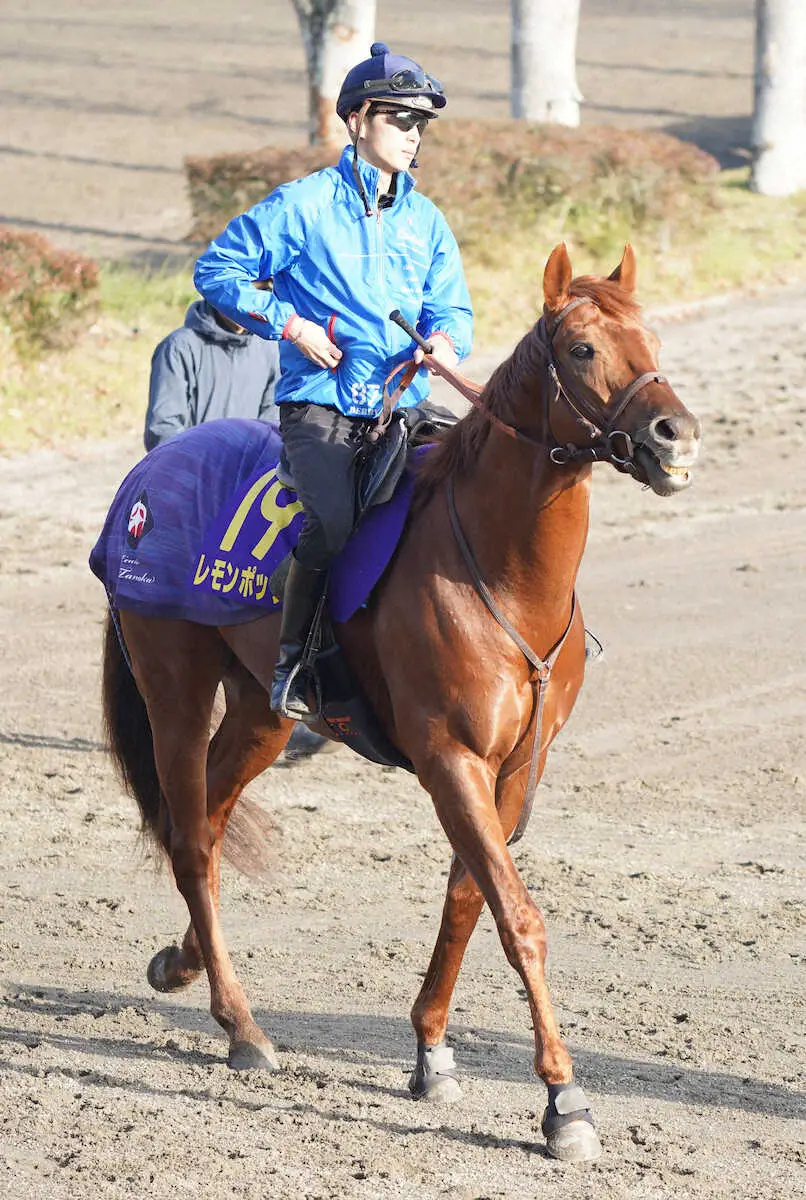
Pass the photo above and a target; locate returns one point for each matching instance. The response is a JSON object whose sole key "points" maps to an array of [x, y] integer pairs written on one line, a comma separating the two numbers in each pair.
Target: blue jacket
{"points": [[203, 371], [333, 264]]}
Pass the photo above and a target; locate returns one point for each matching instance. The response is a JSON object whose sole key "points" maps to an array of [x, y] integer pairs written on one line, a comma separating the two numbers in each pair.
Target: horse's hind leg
{"points": [[248, 739], [434, 1077], [177, 668]]}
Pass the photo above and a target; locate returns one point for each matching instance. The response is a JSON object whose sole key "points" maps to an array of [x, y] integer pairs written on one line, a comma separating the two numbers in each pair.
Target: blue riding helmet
{"points": [[390, 77]]}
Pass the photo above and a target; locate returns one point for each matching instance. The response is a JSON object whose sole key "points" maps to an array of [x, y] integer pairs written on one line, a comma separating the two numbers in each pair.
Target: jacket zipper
{"points": [[381, 274]]}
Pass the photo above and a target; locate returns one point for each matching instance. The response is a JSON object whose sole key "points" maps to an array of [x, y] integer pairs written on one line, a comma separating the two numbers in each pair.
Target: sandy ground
{"points": [[667, 849], [667, 853], [101, 103]]}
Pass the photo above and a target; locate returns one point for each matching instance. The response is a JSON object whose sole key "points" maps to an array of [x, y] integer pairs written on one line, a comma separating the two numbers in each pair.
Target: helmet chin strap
{"points": [[359, 182]]}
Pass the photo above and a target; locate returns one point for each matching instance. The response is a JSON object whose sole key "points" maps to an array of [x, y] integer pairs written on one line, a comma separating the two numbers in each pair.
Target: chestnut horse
{"points": [[498, 525]]}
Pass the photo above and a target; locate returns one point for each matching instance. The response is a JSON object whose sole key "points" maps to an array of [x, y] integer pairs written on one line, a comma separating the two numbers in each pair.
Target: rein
{"points": [[599, 419], [541, 667]]}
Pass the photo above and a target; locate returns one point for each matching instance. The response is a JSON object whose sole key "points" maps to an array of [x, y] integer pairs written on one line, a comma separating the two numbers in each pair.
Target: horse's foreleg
{"points": [[465, 805], [433, 1077]]}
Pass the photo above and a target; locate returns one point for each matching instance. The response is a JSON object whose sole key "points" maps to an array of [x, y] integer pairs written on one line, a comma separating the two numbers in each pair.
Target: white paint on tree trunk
{"points": [[336, 34], [779, 119], [544, 78]]}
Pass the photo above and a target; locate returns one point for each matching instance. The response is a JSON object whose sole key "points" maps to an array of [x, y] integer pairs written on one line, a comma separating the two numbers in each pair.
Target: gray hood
{"points": [[200, 318]]}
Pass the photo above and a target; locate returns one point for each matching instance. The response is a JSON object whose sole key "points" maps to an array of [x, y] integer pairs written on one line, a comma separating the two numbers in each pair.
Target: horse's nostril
{"points": [[664, 429]]}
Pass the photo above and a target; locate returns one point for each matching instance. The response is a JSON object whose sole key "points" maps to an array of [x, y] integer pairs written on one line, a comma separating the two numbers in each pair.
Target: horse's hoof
{"points": [[438, 1091], [568, 1125], [165, 972], [576, 1142], [434, 1077], [248, 1056]]}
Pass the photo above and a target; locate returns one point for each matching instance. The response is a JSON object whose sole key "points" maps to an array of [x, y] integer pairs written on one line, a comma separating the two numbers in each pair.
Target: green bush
{"points": [[47, 295], [487, 175]]}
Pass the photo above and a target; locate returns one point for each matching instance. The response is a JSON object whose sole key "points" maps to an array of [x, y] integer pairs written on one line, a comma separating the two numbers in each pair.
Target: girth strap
{"points": [[541, 667]]}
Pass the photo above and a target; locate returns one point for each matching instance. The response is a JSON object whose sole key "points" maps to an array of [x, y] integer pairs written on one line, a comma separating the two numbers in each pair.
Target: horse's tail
{"points": [[130, 742], [128, 736]]}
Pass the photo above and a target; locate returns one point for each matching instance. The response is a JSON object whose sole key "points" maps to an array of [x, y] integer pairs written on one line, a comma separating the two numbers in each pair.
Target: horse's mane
{"points": [[458, 448]]}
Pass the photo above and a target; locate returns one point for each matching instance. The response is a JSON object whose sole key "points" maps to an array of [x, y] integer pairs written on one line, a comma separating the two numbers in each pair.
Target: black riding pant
{"points": [[321, 445]]}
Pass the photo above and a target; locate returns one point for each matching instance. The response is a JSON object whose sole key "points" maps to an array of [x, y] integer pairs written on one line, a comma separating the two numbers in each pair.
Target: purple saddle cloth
{"points": [[198, 526]]}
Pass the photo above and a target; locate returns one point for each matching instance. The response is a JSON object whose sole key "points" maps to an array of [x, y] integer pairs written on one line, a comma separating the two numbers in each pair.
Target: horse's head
{"points": [[608, 390]]}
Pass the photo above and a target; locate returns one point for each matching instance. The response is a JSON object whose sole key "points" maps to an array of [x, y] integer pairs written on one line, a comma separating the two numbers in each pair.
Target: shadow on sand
{"points": [[358, 1040]]}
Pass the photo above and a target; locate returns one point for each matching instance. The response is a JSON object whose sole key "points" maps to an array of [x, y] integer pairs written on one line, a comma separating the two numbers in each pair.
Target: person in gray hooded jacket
{"points": [[212, 368], [209, 368]]}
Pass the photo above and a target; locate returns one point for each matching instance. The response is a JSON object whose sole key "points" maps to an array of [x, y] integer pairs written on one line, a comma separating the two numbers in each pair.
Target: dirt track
{"points": [[101, 103], [666, 852]]}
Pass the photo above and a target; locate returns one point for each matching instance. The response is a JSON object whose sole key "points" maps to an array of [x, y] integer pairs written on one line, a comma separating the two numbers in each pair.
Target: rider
{"points": [[344, 246]]}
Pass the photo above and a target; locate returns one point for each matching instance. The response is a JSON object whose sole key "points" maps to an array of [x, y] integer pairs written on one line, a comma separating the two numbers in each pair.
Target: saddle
{"points": [[382, 462]]}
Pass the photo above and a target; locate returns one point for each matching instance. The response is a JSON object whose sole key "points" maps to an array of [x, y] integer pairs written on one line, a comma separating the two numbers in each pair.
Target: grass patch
{"points": [[510, 193], [737, 242], [154, 296], [97, 386]]}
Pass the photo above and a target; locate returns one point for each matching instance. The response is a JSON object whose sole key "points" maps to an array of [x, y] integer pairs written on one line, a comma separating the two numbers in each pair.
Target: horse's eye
{"points": [[583, 350]]}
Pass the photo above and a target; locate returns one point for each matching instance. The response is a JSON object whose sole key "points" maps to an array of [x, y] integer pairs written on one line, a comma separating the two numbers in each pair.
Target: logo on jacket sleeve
{"points": [[140, 521]]}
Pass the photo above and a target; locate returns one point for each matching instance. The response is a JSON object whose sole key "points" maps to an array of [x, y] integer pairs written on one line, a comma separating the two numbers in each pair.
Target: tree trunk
{"points": [[544, 79], [336, 34], [779, 117]]}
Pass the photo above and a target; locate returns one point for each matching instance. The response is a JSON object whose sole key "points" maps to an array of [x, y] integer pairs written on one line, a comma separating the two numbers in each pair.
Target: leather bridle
{"points": [[613, 445], [600, 419]]}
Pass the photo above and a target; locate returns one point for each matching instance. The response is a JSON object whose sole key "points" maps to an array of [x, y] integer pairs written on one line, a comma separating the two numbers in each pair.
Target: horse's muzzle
{"points": [[667, 474], [667, 452]]}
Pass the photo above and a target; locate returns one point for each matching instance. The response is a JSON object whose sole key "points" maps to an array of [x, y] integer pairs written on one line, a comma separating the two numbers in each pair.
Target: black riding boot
{"points": [[303, 591]]}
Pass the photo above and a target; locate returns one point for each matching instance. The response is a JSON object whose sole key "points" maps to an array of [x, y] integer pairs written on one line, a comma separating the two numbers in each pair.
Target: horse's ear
{"points": [[625, 273], [557, 278]]}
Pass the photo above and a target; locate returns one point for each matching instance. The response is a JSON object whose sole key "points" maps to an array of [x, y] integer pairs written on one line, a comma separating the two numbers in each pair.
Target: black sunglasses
{"points": [[403, 119]]}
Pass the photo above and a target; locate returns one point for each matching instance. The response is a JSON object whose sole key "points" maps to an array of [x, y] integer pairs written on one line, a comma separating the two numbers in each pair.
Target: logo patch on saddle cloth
{"points": [[140, 521], [258, 527]]}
